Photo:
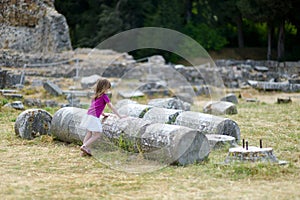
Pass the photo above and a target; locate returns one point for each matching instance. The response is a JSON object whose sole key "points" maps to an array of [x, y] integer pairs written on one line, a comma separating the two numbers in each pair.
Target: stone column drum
{"points": [[162, 115], [32, 123], [65, 125], [209, 124]]}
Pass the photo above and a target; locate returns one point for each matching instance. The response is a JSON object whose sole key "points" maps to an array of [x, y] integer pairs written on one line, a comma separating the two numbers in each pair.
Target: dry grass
{"points": [[47, 169]]}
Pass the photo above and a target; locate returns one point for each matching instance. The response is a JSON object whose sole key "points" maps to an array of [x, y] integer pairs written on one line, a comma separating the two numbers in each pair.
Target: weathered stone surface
{"points": [[186, 97], [220, 108], [36, 27], [17, 105], [9, 79], [165, 143], [129, 130], [174, 144], [65, 125], [162, 115], [124, 102], [33, 102], [209, 124], [134, 110], [252, 154], [52, 88], [261, 68], [275, 86], [170, 103], [230, 98], [50, 103], [157, 59], [89, 81], [131, 94], [32, 123], [13, 96], [219, 141]]}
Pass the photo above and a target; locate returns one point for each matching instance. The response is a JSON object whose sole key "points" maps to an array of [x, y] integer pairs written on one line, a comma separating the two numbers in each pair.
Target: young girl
{"points": [[91, 120]]}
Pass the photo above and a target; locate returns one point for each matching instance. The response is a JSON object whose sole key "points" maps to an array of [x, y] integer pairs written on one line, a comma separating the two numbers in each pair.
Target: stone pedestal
{"points": [[253, 154]]}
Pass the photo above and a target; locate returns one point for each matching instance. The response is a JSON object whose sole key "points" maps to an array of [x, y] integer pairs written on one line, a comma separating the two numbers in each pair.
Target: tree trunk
{"points": [[188, 13], [269, 53], [281, 37], [239, 23]]}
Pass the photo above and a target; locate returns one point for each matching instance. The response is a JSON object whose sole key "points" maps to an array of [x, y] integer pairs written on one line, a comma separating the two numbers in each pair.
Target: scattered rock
{"points": [[50, 103], [261, 68], [220, 108], [219, 141], [230, 98], [284, 100], [90, 81], [52, 88], [33, 102], [18, 105]]}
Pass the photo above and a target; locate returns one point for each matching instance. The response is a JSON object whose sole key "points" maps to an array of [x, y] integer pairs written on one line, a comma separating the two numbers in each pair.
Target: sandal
{"points": [[86, 150], [83, 154]]}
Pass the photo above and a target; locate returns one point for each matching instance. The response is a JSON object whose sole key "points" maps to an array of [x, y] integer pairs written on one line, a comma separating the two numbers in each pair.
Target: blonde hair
{"points": [[101, 86]]}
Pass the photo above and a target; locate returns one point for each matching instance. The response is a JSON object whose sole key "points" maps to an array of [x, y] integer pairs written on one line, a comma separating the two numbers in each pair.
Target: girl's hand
{"points": [[105, 115]]}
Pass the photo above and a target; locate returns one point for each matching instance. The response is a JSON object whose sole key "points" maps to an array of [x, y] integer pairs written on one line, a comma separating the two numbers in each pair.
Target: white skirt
{"points": [[91, 123]]}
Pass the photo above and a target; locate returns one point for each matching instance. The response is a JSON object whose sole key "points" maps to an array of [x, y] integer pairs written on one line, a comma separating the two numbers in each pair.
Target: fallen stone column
{"points": [[162, 115], [209, 124], [205, 123], [169, 144], [275, 86], [65, 125], [134, 110], [33, 123]]}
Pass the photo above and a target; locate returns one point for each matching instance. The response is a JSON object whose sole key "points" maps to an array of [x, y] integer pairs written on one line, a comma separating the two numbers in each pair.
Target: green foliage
{"points": [[125, 144], [3, 101], [206, 36], [214, 24]]}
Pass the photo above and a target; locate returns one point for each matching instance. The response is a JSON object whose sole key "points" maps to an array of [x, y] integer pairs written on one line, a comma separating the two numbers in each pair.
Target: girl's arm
{"points": [[114, 109]]}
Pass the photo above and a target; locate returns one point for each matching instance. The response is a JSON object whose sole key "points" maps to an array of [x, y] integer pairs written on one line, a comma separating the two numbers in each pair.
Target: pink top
{"points": [[98, 105]]}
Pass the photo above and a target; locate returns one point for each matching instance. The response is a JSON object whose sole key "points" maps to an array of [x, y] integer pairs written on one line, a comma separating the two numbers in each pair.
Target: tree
{"points": [[227, 11], [272, 12]]}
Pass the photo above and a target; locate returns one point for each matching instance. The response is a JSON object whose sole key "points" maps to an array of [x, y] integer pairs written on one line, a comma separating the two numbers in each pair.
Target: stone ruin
{"points": [[180, 142], [248, 153], [170, 144], [32, 31]]}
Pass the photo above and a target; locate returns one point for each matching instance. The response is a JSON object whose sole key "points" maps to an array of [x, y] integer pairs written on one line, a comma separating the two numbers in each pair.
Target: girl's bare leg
{"points": [[87, 137], [93, 138]]}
